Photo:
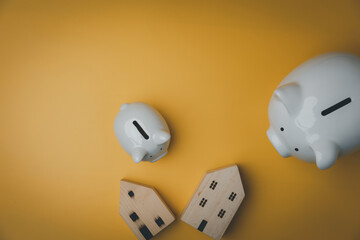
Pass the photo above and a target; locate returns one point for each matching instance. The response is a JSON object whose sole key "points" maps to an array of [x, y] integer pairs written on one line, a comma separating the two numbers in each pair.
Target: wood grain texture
{"points": [[143, 210], [215, 201]]}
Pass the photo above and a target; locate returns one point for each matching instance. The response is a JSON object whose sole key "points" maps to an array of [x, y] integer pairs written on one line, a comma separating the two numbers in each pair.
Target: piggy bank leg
{"points": [[326, 153], [138, 154], [159, 157]]}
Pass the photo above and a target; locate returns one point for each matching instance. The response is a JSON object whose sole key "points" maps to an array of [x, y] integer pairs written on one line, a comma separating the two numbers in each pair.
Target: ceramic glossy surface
{"points": [[142, 132], [314, 113]]}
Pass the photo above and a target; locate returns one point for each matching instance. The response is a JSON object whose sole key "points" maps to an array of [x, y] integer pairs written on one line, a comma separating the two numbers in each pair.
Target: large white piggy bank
{"points": [[314, 113], [142, 132]]}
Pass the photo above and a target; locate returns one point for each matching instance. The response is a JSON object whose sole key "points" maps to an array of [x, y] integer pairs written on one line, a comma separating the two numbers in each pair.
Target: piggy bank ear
{"points": [[138, 154], [290, 95], [124, 106], [326, 153], [161, 137]]}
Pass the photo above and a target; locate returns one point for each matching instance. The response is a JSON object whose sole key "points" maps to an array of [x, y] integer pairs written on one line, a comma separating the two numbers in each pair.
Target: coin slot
{"points": [[337, 106], [141, 130]]}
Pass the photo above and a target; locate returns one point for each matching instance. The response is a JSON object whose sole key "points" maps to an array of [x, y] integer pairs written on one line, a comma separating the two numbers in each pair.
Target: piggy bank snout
{"points": [[282, 149]]}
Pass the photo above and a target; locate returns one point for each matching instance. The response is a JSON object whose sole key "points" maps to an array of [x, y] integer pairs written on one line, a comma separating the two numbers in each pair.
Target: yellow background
{"points": [[209, 67]]}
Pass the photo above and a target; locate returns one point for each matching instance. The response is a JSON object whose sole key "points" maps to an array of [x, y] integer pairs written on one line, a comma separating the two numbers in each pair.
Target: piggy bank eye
{"points": [[282, 129], [296, 149]]}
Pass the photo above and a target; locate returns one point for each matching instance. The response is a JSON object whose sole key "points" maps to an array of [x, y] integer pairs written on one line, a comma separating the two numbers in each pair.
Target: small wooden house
{"points": [[215, 202], [143, 210]]}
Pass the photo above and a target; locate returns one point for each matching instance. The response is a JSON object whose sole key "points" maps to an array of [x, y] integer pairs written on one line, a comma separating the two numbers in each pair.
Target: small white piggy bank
{"points": [[142, 132], [314, 113]]}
